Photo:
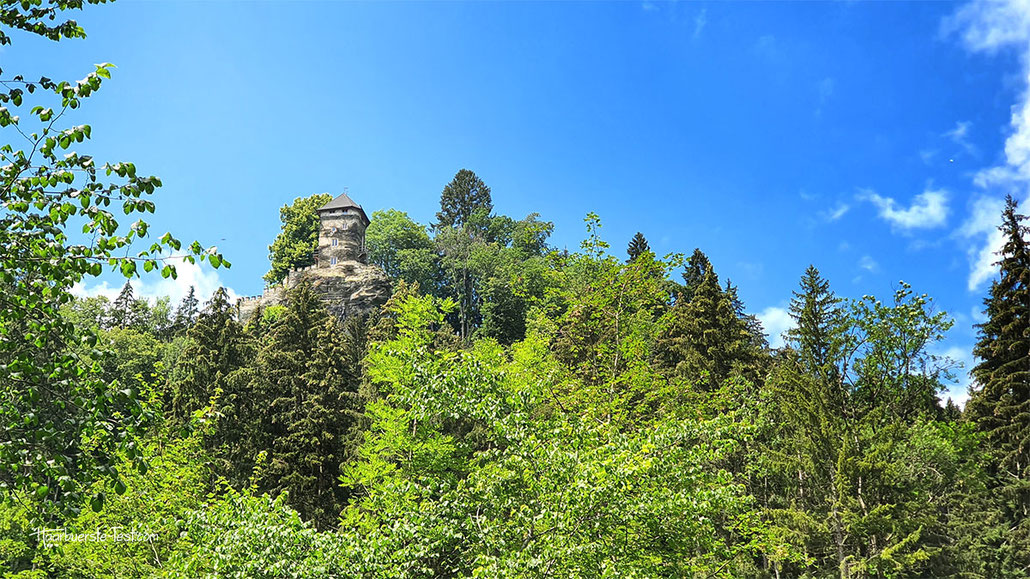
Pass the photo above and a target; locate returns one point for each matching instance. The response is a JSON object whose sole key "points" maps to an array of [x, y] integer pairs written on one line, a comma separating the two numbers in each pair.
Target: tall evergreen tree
{"points": [[697, 267], [311, 372], [817, 314], [705, 340], [465, 201], [216, 347], [637, 246], [1001, 403], [186, 313], [122, 311]]}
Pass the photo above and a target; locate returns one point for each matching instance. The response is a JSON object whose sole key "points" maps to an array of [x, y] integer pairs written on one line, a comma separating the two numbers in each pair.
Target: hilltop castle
{"points": [[341, 274]]}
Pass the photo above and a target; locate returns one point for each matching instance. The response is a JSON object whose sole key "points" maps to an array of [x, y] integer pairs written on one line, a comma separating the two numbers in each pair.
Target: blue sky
{"points": [[874, 140]]}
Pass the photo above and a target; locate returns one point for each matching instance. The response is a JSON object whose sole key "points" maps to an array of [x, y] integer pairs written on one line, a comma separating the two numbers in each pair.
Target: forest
{"points": [[513, 410]]}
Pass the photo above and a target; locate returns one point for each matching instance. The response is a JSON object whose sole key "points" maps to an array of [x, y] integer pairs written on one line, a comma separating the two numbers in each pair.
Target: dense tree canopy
{"points": [[512, 411]]}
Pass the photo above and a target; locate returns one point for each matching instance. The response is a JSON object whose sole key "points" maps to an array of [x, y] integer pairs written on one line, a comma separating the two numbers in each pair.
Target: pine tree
{"points": [[1001, 404], [637, 246]]}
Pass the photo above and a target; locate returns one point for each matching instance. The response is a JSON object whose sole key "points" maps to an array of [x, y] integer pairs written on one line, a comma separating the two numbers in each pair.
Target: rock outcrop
{"points": [[349, 288]]}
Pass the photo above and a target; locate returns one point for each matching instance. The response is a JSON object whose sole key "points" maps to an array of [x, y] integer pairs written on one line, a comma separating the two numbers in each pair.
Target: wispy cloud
{"points": [[205, 281], [929, 209], [962, 361], [960, 136], [989, 27], [869, 264], [700, 21], [776, 321], [981, 229], [836, 213]]}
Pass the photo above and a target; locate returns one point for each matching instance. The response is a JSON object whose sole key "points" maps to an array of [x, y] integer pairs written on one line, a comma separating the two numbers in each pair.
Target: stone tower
{"points": [[341, 237], [341, 276]]}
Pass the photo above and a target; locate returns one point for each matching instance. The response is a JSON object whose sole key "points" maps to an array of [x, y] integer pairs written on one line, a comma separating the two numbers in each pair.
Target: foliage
{"points": [[637, 246], [60, 424], [402, 248], [462, 476], [465, 202], [297, 243]]}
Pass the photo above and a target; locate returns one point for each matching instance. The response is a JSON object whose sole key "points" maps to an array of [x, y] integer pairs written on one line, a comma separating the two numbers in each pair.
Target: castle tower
{"points": [[341, 236]]}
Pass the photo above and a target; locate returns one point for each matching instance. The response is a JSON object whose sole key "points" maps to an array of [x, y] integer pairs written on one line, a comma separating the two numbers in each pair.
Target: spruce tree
{"points": [[816, 311], [215, 348], [122, 308], [1000, 405], [637, 246], [311, 372], [186, 313], [704, 339], [697, 266], [465, 201]]}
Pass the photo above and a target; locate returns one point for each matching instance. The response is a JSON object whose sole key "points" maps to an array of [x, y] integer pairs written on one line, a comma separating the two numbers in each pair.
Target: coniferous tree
{"points": [[697, 267], [637, 246], [465, 201], [1000, 405], [752, 324], [311, 375], [186, 313], [215, 348], [817, 313], [122, 308], [705, 340]]}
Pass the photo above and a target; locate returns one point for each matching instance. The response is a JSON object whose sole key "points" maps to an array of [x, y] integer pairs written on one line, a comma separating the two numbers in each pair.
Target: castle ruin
{"points": [[341, 275]]}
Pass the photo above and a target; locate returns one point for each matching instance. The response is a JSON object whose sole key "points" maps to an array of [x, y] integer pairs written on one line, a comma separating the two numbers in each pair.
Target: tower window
{"points": [[332, 261], [334, 230], [334, 241]]}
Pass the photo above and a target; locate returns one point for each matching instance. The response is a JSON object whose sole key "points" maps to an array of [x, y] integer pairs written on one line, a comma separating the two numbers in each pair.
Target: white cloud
{"points": [[990, 27], [928, 209], [982, 227], [836, 213], [699, 22], [962, 358], [959, 136], [776, 321], [869, 264], [204, 279]]}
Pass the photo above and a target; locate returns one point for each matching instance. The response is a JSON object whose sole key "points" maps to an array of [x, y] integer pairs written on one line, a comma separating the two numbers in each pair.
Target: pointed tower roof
{"points": [[344, 202]]}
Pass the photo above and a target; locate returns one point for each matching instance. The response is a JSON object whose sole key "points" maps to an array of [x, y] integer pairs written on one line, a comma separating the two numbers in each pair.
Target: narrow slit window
{"points": [[332, 261], [334, 242]]}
